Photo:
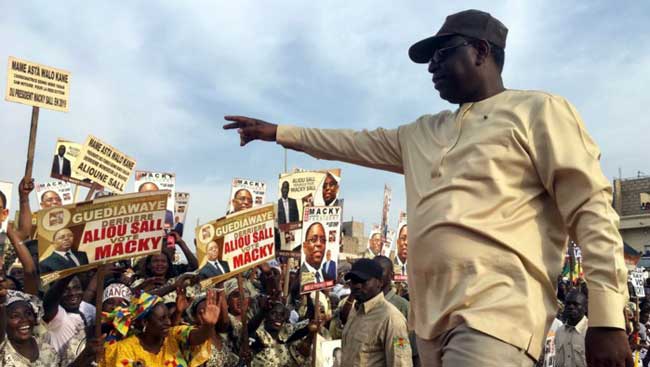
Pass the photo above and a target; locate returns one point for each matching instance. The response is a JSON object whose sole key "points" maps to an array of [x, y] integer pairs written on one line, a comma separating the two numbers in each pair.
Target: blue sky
{"points": [[155, 79]]}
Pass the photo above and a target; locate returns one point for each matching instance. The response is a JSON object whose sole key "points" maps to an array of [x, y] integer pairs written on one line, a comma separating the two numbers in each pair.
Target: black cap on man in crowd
{"points": [[470, 23], [364, 269]]}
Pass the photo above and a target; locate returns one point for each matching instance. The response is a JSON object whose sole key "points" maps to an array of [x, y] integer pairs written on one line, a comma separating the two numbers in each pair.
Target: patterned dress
{"points": [[47, 356], [275, 353], [175, 352]]}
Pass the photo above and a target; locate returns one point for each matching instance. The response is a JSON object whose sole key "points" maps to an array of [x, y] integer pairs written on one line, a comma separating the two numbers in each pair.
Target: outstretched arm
{"points": [[25, 220], [192, 262], [29, 268], [375, 149]]}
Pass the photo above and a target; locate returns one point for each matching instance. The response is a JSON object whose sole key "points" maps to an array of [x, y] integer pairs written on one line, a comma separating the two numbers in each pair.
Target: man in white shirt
{"points": [[570, 338]]}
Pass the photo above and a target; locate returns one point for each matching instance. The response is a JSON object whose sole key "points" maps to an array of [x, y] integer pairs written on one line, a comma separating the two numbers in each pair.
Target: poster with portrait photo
{"points": [[246, 194], [320, 248], [181, 206], [149, 181], [65, 155], [53, 193], [77, 237], [389, 243], [374, 245], [329, 353], [235, 243], [5, 199], [400, 252], [300, 189]]}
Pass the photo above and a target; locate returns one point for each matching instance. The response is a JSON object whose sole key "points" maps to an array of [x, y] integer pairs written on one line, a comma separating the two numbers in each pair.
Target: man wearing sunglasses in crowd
{"points": [[493, 191]]}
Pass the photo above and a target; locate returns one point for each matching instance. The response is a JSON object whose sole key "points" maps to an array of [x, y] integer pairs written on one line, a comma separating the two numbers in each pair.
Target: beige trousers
{"points": [[466, 347]]}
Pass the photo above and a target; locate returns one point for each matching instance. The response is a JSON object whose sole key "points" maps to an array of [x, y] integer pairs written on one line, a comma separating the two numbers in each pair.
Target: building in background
{"points": [[632, 202], [354, 240]]}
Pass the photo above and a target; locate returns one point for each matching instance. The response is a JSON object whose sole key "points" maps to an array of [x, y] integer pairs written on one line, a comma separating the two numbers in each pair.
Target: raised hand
{"points": [[25, 188], [250, 129], [607, 347], [210, 314]]}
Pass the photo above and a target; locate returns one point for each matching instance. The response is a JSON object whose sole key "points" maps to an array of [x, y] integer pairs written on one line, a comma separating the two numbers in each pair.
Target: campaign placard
{"points": [[638, 281], [77, 237], [37, 85], [65, 154], [375, 245], [301, 189], [5, 199], [102, 163], [235, 243], [329, 353], [246, 194], [53, 193], [146, 181], [401, 252], [181, 206], [388, 246], [385, 211], [320, 248]]}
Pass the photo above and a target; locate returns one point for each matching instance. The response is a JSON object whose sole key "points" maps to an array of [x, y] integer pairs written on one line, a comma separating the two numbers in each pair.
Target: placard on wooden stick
{"points": [[38, 86]]}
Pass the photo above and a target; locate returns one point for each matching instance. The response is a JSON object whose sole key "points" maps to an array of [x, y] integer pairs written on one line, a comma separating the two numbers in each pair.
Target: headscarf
{"points": [[122, 318], [33, 301], [117, 290]]}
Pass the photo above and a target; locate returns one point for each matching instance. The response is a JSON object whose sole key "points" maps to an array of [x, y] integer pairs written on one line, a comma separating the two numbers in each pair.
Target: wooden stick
{"points": [[75, 196], [286, 278], [317, 320], [101, 270], [32, 145], [243, 344], [91, 192]]}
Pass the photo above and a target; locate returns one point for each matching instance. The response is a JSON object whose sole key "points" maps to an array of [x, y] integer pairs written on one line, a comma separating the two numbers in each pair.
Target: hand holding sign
{"points": [[250, 129]]}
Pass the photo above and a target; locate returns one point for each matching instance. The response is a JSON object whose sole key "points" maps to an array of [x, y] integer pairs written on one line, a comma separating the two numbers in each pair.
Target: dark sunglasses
{"points": [[442, 53]]}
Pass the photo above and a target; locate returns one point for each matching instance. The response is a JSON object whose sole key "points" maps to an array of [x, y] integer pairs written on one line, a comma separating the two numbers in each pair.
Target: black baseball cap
{"points": [[471, 23], [364, 269]]}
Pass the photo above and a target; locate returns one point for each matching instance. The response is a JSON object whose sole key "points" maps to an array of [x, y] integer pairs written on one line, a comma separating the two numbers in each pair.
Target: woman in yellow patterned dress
{"points": [[153, 342]]}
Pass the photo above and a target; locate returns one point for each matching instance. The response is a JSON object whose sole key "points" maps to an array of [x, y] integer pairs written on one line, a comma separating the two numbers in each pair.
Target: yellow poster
{"points": [[77, 237], [37, 85], [103, 164], [234, 243]]}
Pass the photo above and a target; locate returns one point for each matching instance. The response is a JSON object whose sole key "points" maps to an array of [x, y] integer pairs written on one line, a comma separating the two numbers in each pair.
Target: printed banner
{"points": [[235, 243], [638, 281], [104, 164], [300, 189], [53, 194], [246, 194], [5, 199], [320, 248], [65, 154], [37, 85], [181, 206], [401, 252], [77, 237], [385, 209], [146, 181]]}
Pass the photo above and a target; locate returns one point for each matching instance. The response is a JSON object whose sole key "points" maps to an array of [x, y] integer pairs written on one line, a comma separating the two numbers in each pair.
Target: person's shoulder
{"points": [[427, 120], [532, 98], [392, 312]]}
